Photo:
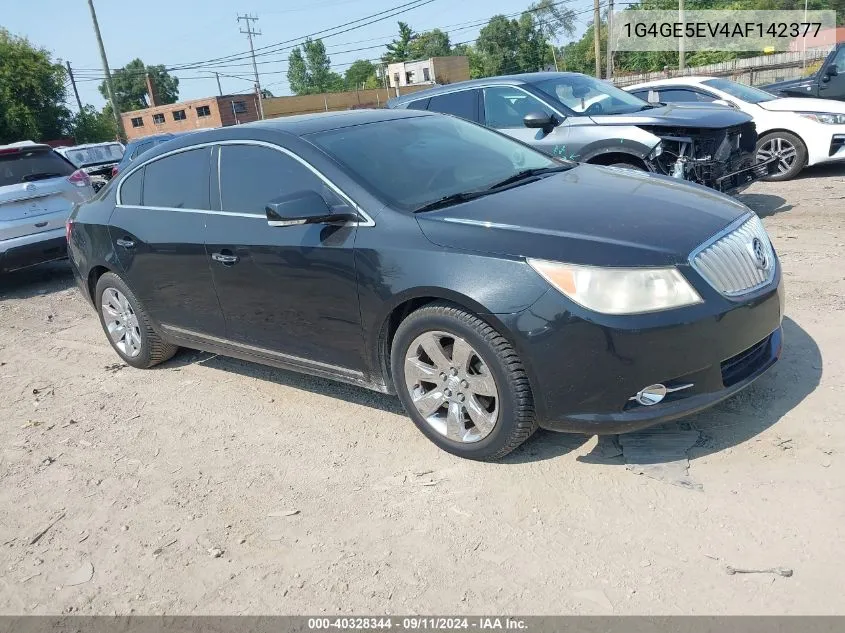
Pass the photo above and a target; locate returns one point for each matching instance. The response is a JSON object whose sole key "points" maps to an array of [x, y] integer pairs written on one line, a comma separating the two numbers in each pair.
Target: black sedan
{"points": [[493, 288]]}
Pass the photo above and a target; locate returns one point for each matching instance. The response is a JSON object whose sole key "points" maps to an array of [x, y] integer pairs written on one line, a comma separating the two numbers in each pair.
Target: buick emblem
{"points": [[758, 252]]}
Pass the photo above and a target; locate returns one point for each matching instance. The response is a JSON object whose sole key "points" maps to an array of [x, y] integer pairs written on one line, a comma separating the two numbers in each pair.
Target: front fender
{"points": [[622, 140]]}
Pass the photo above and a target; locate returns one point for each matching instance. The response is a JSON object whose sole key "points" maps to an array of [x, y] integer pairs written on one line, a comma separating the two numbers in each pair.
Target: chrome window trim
{"points": [[367, 221]]}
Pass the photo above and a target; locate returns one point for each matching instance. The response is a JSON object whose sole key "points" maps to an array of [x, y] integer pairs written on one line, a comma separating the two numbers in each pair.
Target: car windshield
{"points": [[740, 91], [30, 165], [83, 156], [409, 163], [586, 95]]}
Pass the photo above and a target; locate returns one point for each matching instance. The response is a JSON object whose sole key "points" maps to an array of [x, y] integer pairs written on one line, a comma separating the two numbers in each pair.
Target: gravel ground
{"points": [[214, 486]]}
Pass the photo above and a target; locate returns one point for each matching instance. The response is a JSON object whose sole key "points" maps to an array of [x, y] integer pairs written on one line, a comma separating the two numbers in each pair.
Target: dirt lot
{"points": [[173, 490]]}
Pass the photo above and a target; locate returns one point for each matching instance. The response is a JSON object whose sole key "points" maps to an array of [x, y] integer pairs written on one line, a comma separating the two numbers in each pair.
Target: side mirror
{"points": [[540, 120], [725, 102], [303, 207], [831, 71]]}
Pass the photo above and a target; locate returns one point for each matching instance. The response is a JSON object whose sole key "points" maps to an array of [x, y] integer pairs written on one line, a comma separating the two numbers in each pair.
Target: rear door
{"points": [[157, 229], [285, 291], [35, 193]]}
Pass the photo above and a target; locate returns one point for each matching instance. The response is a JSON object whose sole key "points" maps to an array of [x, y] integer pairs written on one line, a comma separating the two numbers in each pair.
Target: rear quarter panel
{"points": [[90, 245]]}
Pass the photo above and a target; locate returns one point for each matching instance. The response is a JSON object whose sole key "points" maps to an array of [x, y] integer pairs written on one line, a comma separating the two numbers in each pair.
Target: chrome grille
{"points": [[729, 262]]}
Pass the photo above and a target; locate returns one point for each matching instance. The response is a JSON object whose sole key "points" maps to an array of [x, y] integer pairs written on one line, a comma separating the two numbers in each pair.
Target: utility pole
{"points": [[682, 62], [249, 32], [597, 36], [219, 88], [609, 73], [73, 83], [105, 61]]}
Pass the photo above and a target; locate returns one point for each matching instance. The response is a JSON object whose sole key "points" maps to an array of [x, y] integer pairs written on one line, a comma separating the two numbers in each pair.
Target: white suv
{"points": [[38, 189]]}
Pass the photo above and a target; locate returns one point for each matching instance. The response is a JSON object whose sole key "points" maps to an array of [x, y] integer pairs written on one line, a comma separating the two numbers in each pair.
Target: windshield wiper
{"points": [[527, 174], [40, 176], [455, 198]]}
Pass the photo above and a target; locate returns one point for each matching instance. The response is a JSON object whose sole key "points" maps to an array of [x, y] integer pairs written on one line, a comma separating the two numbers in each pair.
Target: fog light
{"points": [[651, 395], [654, 394]]}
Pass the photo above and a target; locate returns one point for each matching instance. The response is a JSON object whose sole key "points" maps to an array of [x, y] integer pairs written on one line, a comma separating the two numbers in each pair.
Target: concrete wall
{"points": [[333, 101]]}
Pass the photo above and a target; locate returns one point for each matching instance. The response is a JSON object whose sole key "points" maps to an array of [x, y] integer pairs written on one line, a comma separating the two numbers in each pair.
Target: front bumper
{"points": [[30, 250], [585, 369]]}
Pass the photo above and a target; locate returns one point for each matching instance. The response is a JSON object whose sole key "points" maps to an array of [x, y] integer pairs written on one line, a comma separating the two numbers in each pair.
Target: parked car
{"points": [[490, 286], [38, 188], [137, 147], [581, 118], [827, 83], [96, 159], [797, 132]]}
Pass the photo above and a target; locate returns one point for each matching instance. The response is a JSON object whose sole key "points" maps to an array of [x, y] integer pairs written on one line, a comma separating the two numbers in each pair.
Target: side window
{"points": [[682, 95], [251, 176], [419, 104], [130, 190], [642, 94], [505, 107], [463, 104], [179, 181], [839, 60]]}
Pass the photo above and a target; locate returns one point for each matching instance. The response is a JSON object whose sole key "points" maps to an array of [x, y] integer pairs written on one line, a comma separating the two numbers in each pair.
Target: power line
{"points": [[249, 33]]}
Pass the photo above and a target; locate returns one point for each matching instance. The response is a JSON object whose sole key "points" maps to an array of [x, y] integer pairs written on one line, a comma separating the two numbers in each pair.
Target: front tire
{"points": [[790, 151], [127, 324], [462, 383]]}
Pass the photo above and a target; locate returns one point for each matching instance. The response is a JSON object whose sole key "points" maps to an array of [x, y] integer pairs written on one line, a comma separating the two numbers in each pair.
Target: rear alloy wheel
{"points": [[788, 149], [127, 325], [462, 383]]}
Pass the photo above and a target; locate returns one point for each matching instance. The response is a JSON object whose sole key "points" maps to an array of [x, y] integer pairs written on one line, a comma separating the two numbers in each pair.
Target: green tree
{"points": [[90, 126], [361, 72], [130, 86], [32, 92], [553, 20], [433, 43], [309, 70], [399, 49], [476, 66]]}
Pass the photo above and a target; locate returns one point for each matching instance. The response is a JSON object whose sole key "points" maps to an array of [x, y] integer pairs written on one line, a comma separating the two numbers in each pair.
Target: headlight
{"points": [[619, 290], [657, 151], [824, 117]]}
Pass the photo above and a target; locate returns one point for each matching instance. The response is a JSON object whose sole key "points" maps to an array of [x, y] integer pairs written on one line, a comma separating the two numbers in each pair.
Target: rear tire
{"points": [[790, 149], [127, 325], [483, 408]]}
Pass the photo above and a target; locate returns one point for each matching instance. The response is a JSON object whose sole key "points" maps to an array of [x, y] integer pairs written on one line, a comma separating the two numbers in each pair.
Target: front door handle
{"points": [[125, 242], [224, 259]]}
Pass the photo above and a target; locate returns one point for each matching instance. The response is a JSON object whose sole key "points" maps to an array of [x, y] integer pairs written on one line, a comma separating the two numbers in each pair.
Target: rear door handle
{"points": [[224, 259], [125, 242]]}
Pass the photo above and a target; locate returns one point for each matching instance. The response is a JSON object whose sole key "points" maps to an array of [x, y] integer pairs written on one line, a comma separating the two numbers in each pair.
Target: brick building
{"points": [[191, 115]]}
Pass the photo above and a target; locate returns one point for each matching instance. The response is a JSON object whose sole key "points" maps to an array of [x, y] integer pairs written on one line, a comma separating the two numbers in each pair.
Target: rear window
{"points": [[82, 156], [31, 165]]}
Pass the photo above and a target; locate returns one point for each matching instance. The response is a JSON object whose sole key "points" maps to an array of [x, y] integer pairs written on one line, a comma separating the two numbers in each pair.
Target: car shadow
{"points": [[764, 204], [36, 281], [730, 423], [822, 171]]}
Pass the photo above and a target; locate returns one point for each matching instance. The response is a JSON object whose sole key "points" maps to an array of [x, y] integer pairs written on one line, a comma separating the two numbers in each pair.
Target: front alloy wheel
{"points": [[461, 382], [787, 149], [451, 387]]}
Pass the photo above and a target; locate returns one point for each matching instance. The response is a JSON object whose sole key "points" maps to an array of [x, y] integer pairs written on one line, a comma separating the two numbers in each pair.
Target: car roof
{"points": [[673, 81], [151, 137], [508, 80], [303, 124], [20, 144]]}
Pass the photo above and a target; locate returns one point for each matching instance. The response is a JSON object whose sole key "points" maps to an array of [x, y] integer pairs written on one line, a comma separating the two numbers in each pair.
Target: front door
{"points": [[505, 107], [158, 234], [287, 290], [834, 87]]}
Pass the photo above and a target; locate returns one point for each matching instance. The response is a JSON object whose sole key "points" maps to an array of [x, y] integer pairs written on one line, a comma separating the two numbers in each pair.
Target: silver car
{"points": [[38, 189]]}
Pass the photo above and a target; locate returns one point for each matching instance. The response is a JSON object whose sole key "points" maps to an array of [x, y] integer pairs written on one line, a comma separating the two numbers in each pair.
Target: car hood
{"points": [[678, 116], [804, 104], [588, 215], [803, 83]]}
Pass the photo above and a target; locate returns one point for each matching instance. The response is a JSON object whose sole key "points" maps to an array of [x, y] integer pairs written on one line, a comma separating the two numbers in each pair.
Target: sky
{"points": [[182, 32]]}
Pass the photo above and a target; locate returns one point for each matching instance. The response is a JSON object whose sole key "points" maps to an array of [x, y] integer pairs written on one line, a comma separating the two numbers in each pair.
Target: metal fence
{"points": [[755, 71]]}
